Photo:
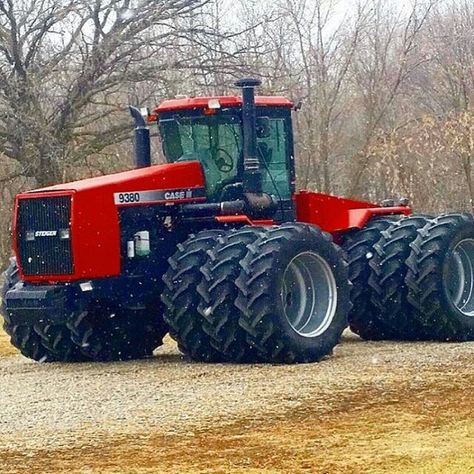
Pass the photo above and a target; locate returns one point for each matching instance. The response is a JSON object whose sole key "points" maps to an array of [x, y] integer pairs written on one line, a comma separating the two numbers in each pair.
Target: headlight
{"points": [[64, 234]]}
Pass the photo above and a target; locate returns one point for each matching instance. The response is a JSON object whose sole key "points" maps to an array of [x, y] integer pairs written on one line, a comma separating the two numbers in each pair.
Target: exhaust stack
{"points": [[252, 181], [142, 139]]}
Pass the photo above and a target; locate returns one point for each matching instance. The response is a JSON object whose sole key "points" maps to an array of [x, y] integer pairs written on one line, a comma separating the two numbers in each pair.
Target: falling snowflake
{"points": [[126, 14]]}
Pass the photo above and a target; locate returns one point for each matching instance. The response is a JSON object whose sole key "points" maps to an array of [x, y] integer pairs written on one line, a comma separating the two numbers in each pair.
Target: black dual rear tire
{"points": [[359, 248], [388, 291], [441, 278], [420, 283]]}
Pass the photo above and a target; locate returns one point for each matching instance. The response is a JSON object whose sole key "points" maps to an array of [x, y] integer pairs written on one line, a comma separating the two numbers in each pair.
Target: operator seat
{"points": [[232, 189]]}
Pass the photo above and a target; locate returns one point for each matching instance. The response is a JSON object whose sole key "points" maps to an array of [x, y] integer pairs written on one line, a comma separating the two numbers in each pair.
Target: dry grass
{"points": [[411, 412], [6, 349], [381, 438]]}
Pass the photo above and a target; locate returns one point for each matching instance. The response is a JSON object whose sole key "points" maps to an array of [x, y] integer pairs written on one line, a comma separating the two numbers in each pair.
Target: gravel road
{"points": [[372, 407]]}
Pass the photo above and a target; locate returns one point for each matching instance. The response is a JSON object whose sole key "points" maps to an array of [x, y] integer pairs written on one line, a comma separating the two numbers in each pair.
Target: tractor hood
{"points": [[159, 177], [88, 213]]}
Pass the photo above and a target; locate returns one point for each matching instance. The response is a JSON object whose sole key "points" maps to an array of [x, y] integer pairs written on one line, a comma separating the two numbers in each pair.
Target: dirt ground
{"points": [[371, 408]]}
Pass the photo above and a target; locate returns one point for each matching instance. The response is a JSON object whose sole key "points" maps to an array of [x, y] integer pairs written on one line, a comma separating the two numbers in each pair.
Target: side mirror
{"points": [[298, 105], [263, 127]]}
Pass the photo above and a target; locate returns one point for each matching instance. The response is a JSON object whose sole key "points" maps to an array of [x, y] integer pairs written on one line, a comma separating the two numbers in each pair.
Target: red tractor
{"points": [[217, 248]]}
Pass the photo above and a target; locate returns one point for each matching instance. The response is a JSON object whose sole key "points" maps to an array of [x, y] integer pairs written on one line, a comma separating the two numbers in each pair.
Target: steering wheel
{"points": [[224, 162]]}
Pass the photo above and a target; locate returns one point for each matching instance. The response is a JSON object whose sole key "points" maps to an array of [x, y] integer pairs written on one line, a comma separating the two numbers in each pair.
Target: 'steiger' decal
{"points": [[158, 196]]}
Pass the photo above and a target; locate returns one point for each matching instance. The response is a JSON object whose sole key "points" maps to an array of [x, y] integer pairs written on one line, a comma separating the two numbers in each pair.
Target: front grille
{"points": [[41, 250]]}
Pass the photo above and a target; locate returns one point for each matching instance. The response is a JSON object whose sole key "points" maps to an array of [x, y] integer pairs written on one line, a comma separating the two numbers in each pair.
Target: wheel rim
{"points": [[309, 294], [460, 283]]}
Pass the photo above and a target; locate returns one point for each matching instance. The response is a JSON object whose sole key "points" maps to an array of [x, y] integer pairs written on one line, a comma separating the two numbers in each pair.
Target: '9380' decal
{"points": [[157, 196], [125, 198]]}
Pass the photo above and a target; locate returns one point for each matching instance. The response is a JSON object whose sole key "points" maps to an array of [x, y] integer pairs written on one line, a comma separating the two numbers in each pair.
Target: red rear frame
{"points": [[337, 215]]}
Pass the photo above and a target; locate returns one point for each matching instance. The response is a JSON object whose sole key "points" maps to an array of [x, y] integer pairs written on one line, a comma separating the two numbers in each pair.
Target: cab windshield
{"points": [[213, 140], [216, 142]]}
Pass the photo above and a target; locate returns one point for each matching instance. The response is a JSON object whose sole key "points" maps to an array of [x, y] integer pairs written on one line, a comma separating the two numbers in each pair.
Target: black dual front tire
{"points": [[42, 342], [257, 295], [182, 300], [293, 294], [218, 292], [110, 331], [88, 335]]}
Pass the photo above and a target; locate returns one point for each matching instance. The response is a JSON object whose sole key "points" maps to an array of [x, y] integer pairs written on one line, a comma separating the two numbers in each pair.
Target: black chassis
{"points": [[138, 285]]}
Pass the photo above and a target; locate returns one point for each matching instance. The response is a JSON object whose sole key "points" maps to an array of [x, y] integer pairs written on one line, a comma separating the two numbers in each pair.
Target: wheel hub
{"points": [[309, 294], [460, 283]]}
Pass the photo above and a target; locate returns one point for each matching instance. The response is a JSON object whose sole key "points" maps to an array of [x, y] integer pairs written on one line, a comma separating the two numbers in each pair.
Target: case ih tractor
{"points": [[217, 248]]}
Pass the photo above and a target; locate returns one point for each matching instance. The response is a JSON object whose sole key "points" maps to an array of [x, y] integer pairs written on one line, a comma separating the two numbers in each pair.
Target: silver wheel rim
{"points": [[309, 294], [460, 282]]}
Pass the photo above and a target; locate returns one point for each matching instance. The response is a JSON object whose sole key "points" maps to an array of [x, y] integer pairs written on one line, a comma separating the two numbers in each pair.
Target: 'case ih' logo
{"points": [[172, 195], [46, 233]]}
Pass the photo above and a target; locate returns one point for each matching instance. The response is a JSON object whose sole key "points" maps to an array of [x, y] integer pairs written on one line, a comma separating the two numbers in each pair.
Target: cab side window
{"points": [[272, 147]]}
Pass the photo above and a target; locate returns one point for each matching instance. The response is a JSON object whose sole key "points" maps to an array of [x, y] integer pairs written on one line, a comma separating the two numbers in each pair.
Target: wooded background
{"points": [[386, 87]]}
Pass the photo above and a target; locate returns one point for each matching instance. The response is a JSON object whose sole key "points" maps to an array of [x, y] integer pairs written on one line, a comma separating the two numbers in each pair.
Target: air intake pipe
{"points": [[142, 139], [259, 204]]}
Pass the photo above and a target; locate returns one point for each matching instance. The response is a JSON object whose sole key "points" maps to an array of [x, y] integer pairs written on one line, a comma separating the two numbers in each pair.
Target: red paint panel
{"points": [[166, 176], [335, 214], [243, 219], [95, 229], [225, 101]]}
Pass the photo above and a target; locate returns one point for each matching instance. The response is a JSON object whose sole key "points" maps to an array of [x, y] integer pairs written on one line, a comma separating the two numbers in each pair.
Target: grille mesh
{"points": [[45, 254]]}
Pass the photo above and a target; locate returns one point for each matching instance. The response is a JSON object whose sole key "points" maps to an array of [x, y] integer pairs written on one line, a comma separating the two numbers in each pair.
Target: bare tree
{"points": [[450, 38], [64, 67], [387, 58]]}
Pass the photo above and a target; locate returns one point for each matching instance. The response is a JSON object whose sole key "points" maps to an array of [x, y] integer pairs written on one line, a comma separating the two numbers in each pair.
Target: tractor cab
{"points": [[211, 130]]}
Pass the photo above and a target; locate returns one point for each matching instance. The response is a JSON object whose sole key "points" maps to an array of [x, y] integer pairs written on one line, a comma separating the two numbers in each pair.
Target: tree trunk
{"points": [[466, 162], [51, 157], [324, 155]]}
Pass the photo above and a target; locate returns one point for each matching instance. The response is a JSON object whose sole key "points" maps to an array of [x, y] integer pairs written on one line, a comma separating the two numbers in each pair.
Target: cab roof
{"points": [[190, 103]]}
